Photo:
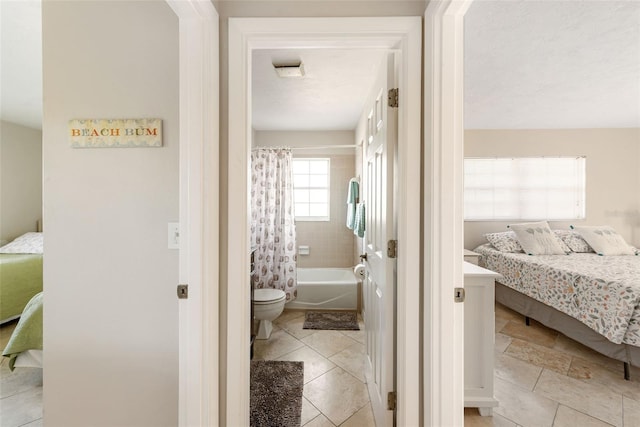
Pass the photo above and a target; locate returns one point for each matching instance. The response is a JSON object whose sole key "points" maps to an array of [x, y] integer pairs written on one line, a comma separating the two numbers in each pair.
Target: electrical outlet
{"points": [[173, 235]]}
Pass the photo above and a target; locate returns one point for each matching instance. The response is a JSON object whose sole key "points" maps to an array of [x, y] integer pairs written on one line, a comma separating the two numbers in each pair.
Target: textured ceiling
{"points": [[528, 64], [330, 96], [552, 64], [21, 62]]}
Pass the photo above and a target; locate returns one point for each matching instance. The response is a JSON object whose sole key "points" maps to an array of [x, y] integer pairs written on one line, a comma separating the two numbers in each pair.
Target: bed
{"points": [[592, 299], [20, 274], [24, 348]]}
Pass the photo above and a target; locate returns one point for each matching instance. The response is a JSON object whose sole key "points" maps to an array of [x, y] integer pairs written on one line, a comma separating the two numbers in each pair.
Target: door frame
{"points": [[198, 316], [246, 34], [443, 345]]}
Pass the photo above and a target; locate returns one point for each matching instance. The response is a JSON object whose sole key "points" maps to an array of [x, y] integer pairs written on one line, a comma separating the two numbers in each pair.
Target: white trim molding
{"points": [[443, 341], [398, 33], [198, 388]]}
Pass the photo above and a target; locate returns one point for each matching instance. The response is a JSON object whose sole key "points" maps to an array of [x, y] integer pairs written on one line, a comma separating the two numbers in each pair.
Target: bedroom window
{"points": [[311, 189], [526, 188]]}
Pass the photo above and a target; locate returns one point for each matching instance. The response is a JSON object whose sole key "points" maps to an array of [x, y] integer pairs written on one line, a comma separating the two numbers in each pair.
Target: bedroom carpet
{"points": [[331, 320], [276, 393]]}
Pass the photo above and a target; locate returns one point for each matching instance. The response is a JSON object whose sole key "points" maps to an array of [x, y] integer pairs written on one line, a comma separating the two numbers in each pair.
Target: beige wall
{"points": [[613, 172], [331, 243], [111, 313], [20, 180]]}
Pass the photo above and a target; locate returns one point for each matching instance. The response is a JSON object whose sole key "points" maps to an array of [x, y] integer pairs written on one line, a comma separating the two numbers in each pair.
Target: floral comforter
{"points": [[603, 292]]}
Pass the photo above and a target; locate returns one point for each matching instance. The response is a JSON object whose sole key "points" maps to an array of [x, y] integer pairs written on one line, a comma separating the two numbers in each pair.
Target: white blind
{"points": [[532, 188]]}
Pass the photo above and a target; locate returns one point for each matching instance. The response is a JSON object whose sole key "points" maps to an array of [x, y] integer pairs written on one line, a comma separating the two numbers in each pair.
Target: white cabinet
{"points": [[479, 336], [472, 257]]}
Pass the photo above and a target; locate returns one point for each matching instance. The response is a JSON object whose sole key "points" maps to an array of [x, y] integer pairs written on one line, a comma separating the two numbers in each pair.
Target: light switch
{"points": [[173, 235]]}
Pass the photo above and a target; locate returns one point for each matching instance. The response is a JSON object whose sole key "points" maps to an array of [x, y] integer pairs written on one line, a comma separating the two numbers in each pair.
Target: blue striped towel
{"points": [[352, 199], [359, 226]]}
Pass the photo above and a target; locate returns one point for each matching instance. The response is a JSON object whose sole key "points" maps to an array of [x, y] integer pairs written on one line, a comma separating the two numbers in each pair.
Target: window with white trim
{"points": [[311, 189], [526, 188]]}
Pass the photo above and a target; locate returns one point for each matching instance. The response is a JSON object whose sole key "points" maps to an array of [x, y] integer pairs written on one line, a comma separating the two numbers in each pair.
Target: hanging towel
{"points": [[352, 200], [359, 226]]}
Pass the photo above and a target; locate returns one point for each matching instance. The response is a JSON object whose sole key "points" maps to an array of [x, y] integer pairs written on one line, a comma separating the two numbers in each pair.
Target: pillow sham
{"points": [[505, 241], [563, 245], [536, 238], [574, 241], [604, 240]]}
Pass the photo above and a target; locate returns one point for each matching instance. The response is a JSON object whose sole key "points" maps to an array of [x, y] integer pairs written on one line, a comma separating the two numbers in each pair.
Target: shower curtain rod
{"points": [[324, 147], [319, 147]]}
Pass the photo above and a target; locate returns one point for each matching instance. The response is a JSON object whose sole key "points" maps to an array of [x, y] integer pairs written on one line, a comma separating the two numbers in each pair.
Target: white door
{"points": [[379, 283]]}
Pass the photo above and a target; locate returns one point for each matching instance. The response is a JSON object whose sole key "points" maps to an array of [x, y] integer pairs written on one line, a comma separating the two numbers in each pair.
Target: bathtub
{"points": [[326, 289]]}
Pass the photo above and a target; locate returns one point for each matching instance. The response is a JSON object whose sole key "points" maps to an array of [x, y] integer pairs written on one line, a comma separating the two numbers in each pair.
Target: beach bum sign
{"points": [[99, 133]]}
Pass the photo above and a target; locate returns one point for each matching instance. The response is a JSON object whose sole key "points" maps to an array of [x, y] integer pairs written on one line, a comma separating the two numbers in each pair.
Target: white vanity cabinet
{"points": [[479, 336]]}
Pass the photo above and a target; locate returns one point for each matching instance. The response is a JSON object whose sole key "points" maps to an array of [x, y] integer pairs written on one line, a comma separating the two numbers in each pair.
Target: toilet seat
{"points": [[268, 296]]}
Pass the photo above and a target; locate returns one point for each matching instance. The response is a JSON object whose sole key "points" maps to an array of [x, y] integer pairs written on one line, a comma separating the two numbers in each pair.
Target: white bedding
{"points": [[603, 292], [28, 243]]}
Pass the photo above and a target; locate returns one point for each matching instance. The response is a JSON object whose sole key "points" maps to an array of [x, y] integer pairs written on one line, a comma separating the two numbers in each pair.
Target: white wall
{"points": [[331, 243], [20, 180], [110, 318], [613, 172]]}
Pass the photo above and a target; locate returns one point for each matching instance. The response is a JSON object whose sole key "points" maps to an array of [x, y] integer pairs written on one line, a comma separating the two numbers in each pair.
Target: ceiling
{"points": [[552, 64], [528, 64], [330, 96], [21, 62]]}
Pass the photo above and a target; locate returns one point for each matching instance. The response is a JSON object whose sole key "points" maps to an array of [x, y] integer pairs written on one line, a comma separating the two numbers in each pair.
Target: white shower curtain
{"points": [[273, 229]]}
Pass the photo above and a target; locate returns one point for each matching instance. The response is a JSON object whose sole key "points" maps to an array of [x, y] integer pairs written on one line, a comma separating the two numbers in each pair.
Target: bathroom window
{"points": [[311, 189]]}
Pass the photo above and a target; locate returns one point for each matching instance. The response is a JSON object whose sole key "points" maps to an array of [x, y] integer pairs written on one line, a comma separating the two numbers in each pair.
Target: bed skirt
{"points": [[566, 325]]}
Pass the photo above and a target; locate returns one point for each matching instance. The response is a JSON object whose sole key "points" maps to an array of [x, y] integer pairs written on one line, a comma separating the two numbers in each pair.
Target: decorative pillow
{"points": [[536, 238], [574, 241], [563, 245], [505, 241], [604, 240]]}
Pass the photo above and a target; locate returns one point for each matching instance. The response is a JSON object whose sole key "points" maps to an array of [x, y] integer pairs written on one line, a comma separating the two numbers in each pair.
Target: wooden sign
{"points": [[111, 133]]}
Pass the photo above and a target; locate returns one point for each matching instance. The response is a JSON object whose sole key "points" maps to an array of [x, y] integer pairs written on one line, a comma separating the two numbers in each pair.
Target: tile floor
{"points": [[541, 379], [335, 392], [20, 390]]}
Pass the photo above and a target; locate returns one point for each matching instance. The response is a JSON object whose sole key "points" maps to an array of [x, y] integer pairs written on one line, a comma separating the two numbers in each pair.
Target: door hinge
{"points": [[392, 400], [392, 248], [183, 291], [458, 295], [393, 98]]}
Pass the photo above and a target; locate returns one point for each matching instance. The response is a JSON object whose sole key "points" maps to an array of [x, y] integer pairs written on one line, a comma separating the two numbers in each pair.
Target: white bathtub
{"points": [[326, 289]]}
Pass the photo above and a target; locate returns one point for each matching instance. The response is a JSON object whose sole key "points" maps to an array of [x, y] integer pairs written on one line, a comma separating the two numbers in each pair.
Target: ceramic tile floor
{"points": [[335, 392], [541, 379], [20, 390]]}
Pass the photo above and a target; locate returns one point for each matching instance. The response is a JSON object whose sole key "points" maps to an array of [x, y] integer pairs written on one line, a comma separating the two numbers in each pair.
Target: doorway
{"points": [[401, 34]]}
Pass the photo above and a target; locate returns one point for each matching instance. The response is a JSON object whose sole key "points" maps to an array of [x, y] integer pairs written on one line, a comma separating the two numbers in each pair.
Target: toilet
{"points": [[267, 306]]}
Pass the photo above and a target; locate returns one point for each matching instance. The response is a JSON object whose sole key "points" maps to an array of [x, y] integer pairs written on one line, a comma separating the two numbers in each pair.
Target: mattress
{"points": [[602, 292]]}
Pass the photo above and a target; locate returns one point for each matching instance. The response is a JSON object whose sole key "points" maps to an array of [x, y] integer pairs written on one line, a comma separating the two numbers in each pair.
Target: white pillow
{"points": [[604, 240], [536, 238]]}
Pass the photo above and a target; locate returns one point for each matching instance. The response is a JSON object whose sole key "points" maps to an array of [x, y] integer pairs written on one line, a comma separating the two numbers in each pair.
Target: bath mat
{"points": [[331, 320], [276, 393]]}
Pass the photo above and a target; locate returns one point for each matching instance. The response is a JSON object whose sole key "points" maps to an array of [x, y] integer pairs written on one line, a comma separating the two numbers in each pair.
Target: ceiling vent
{"points": [[289, 70]]}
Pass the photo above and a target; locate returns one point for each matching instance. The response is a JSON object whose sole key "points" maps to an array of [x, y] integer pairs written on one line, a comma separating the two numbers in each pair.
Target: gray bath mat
{"points": [[276, 393], [331, 320]]}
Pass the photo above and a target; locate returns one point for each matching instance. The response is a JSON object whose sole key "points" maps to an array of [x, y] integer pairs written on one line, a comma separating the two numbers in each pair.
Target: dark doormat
{"points": [[331, 320], [276, 393]]}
